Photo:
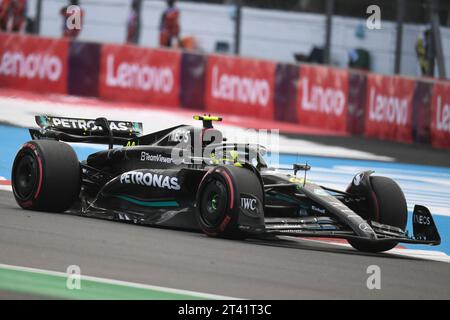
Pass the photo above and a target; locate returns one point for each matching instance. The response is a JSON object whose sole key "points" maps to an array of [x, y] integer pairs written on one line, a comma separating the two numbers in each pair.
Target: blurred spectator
{"points": [[5, 9], [169, 27], [222, 47], [13, 15], [423, 51], [315, 56], [133, 23], [359, 58], [189, 43], [29, 28], [69, 30], [19, 18]]}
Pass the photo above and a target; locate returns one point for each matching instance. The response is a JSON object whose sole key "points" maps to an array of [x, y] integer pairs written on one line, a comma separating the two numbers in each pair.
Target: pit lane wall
{"points": [[347, 101]]}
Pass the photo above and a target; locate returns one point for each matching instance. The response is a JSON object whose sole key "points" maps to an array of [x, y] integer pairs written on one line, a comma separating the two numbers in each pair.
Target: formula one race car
{"points": [[189, 177]]}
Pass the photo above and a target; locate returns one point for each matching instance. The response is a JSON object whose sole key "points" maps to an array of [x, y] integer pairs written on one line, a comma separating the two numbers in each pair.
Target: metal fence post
{"points": [[436, 36], [399, 40], [237, 27], [138, 27], [37, 19], [329, 12]]}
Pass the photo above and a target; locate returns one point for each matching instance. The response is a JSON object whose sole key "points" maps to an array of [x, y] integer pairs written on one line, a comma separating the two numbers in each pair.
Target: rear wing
{"points": [[88, 127], [99, 130]]}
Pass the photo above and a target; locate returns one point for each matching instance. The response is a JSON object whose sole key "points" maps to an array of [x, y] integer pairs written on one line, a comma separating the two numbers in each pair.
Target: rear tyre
{"points": [[389, 208], [46, 176]]}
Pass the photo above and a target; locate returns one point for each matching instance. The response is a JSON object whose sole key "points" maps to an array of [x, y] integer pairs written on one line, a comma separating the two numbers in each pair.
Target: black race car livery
{"points": [[191, 177]]}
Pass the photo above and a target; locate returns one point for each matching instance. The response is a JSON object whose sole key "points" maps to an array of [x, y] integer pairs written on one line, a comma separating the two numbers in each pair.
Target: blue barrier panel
{"points": [[84, 69], [192, 78], [421, 116], [285, 97]]}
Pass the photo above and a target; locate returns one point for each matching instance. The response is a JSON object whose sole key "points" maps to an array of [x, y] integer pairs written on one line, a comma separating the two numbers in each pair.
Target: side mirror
{"points": [[301, 167]]}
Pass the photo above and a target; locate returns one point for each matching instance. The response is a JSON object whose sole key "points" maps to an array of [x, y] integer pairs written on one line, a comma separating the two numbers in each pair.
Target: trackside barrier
{"points": [[440, 115], [322, 94], [384, 107], [421, 116], [389, 104], [130, 73], [33, 63], [285, 97], [356, 102], [240, 86], [84, 69], [193, 75]]}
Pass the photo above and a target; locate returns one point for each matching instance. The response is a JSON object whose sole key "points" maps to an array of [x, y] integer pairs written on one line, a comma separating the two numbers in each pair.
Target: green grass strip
{"points": [[50, 285]]}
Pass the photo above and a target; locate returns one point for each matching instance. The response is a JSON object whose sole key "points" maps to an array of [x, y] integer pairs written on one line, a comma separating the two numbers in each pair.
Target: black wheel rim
{"points": [[213, 203], [25, 176]]}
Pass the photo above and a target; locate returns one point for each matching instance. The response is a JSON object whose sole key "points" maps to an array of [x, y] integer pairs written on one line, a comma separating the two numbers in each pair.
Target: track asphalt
{"points": [[192, 261]]}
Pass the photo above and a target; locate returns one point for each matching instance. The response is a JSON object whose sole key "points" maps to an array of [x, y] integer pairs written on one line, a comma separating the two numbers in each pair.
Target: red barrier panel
{"points": [[129, 73], [389, 108], [440, 119], [322, 96], [32, 63], [240, 86]]}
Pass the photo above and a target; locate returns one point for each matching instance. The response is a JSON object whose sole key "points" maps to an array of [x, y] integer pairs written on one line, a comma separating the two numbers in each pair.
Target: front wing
{"points": [[424, 229]]}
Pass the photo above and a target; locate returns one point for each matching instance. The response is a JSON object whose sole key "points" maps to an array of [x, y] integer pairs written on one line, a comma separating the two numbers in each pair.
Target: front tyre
{"points": [[46, 176], [388, 207], [219, 208]]}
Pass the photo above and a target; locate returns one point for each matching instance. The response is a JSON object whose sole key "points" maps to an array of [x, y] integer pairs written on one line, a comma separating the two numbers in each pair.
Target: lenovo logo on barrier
{"points": [[388, 109], [320, 99], [442, 116], [440, 113], [140, 77], [31, 66], [239, 89]]}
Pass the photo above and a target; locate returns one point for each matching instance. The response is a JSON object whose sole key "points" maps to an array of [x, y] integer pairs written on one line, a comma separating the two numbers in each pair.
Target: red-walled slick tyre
{"points": [[46, 176]]}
